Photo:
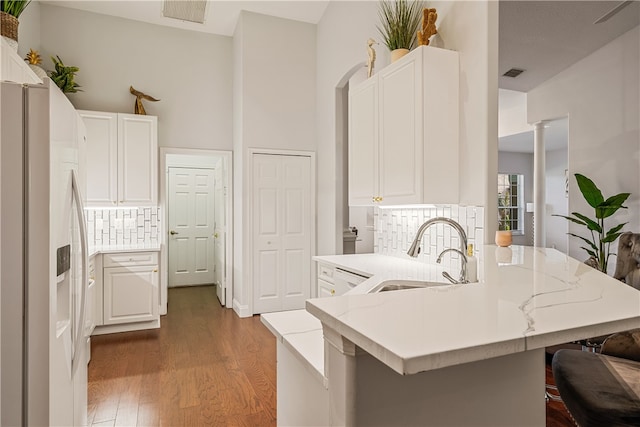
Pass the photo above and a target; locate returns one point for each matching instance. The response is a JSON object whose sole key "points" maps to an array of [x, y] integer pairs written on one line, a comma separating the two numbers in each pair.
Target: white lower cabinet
{"points": [[130, 292], [325, 280], [334, 281], [325, 289]]}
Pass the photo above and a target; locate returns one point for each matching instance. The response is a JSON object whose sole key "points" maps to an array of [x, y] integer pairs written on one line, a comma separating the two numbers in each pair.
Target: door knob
{"points": [[173, 232]]}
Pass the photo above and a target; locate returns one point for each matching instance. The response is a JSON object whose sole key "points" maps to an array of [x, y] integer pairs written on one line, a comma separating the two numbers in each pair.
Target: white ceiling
{"points": [[545, 37], [220, 16], [556, 134]]}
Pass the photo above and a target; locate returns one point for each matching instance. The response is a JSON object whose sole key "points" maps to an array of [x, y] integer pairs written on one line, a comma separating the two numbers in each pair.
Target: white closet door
{"points": [[282, 231], [191, 226]]}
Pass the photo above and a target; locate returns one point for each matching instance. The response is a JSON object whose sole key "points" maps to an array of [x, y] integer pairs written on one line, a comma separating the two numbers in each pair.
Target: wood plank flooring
{"points": [[204, 367]]}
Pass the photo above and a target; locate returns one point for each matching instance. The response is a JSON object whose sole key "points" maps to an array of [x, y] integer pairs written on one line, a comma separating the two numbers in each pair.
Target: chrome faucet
{"points": [[463, 266], [414, 249]]}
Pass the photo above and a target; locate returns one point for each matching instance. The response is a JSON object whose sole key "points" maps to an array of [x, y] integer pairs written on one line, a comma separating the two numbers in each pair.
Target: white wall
{"points": [[557, 202], [274, 107], [600, 94], [512, 113], [471, 28], [191, 72], [29, 31], [520, 163]]}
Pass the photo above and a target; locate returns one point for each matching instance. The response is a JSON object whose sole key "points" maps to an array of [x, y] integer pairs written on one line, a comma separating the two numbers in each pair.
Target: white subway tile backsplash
{"points": [[122, 226], [394, 230]]}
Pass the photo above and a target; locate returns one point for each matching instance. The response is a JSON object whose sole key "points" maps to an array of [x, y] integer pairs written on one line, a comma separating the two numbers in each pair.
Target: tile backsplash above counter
{"points": [[396, 227], [122, 226]]}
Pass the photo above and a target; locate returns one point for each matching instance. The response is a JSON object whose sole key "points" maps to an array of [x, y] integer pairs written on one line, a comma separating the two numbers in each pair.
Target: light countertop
{"points": [[384, 267], [527, 298], [136, 247]]}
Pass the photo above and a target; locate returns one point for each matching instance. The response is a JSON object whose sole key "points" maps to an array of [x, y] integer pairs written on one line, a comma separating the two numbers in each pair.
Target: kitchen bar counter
{"points": [[469, 354], [419, 350], [528, 298]]}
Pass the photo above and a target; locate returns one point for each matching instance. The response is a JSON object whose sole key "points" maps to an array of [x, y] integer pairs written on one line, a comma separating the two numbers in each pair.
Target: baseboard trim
{"points": [[241, 310], [126, 327]]}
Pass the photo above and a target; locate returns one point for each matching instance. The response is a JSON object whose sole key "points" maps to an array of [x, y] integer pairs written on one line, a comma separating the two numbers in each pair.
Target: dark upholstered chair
{"points": [[628, 262], [602, 389]]}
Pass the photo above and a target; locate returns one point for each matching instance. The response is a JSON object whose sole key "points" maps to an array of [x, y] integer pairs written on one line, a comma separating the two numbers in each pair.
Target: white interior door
{"points": [[219, 234], [191, 226], [282, 232]]}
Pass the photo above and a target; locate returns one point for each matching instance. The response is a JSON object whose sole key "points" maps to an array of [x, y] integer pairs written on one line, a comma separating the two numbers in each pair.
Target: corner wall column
{"points": [[539, 192]]}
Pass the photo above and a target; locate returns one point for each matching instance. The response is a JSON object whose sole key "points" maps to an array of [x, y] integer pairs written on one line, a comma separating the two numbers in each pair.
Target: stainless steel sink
{"points": [[399, 285]]}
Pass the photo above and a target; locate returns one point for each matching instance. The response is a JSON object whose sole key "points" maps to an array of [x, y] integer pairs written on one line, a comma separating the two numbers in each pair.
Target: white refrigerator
{"points": [[43, 259]]}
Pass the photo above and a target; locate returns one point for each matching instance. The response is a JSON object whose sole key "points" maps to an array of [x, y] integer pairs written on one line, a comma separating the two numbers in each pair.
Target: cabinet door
{"points": [[13, 68], [363, 143], [325, 289], [102, 157], [130, 294], [137, 160], [400, 138]]}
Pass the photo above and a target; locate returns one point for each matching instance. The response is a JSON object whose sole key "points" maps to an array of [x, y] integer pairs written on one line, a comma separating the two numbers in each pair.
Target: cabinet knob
{"points": [[155, 270], [173, 232], [377, 199], [333, 291]]}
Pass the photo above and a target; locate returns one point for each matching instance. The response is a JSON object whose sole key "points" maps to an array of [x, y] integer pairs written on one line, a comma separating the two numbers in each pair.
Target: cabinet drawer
{"points": [[128, 259], [325, 273], [325, 289]]}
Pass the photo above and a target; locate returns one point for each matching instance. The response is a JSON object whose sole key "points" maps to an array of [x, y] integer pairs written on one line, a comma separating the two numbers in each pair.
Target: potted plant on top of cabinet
{"points": [[400, 20], [10, 11]]}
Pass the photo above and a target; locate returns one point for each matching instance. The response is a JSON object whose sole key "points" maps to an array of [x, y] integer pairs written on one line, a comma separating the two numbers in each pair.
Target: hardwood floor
{"points": [[204, 367]]}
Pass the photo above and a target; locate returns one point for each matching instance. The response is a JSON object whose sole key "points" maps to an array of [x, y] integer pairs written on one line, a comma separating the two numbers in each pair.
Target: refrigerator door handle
{"points": [[79, 341]]}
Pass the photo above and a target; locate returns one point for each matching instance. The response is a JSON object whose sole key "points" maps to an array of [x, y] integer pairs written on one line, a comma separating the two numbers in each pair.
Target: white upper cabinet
{"points": [[102, 158], [13, 68], [403, 132], [363, 143], [137, 160], [122, 159]]}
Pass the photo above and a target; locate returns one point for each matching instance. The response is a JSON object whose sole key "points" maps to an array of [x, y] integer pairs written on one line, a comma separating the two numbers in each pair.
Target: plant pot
{"points": [[503, 238], [9, 29], [398, 53], [38, 70]]}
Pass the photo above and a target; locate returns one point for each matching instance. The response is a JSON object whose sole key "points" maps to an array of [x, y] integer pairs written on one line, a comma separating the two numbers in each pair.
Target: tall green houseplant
{"points": [[601, 238], [399, 23]]}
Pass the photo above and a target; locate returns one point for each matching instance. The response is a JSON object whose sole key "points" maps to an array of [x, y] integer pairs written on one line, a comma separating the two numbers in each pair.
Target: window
{"points": [[510, 202]]}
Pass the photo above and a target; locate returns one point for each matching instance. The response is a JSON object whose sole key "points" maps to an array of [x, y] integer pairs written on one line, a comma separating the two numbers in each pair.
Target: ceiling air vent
{"points": [[185, 10], [514, 72]]}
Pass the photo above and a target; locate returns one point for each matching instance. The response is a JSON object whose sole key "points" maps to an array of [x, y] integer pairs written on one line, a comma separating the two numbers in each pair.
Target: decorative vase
{"points": [[38, 70], [9, 29], [398, 53], [503, 238]]}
